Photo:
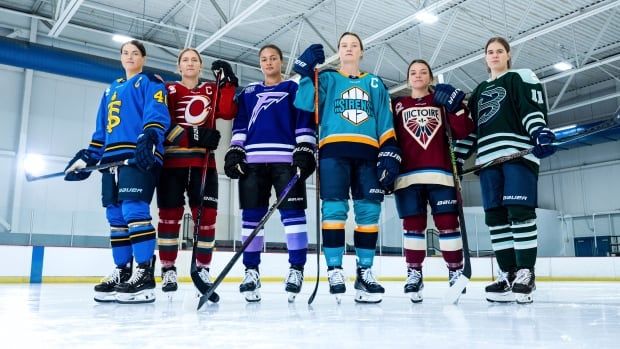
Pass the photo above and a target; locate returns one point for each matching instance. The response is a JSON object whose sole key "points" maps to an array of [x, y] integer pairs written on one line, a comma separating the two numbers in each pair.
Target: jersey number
{"points": [[537, 96], [159, 96]]}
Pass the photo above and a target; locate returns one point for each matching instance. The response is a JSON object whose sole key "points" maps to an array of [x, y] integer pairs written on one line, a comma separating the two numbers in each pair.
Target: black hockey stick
{"points": [[31, 178], [248, 240], [455, 291], [604, 126], [193, 270], [318, 191]]}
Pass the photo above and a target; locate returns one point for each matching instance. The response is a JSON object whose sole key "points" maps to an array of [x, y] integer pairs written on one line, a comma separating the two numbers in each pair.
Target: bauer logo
{"points": [[355, 105], [130, 190], [446, 202]]}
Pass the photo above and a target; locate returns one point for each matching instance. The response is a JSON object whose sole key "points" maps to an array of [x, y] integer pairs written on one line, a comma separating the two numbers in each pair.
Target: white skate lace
{"points": [[335, 277], [137, 274], [204, 275], [502, 277], [413, 277], [114, 277], [294, 277], [368, 276], [251, 276], [523, 277], [454, 275], [169, 277]]}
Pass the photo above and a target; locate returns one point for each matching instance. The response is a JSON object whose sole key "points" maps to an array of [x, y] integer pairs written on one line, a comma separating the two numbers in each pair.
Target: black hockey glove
{"points": [[227, 74], [145, 149], [543, 137], [81, 159], [305, 64], [388, 166], [202, 137], [303, 158], [449, 97], [234, 162]]}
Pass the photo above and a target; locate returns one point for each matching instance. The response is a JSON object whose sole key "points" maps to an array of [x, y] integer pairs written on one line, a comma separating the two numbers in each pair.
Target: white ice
{"points": [[563, 315]]}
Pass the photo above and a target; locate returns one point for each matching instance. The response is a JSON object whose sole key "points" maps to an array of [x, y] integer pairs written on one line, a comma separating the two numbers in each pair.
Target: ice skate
{"points": [[250, 286], [293, 281], [202, 280], [414, 285], [453, 278], [368, 289], [336, 280], [524, 285], [104, 291], [457, 282], [140, 288], [501, 290], [169, 281]]}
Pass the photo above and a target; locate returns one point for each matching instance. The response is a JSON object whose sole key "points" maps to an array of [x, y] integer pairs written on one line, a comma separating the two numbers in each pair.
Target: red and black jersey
{"points": [[423, 142], [191, 108]]}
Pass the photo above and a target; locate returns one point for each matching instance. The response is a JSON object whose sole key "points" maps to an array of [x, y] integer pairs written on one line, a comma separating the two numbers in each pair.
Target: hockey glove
{"points": [[449, 97], [227, 74], [388, 166], [145, 149], [303, 158], [234, 162], [207, 138], [543, 137], [81, 159], [305, 64]]}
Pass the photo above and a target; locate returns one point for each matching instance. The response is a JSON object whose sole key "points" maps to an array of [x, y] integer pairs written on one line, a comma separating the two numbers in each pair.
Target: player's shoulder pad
{"points": [[527, 75], [154, 77]]}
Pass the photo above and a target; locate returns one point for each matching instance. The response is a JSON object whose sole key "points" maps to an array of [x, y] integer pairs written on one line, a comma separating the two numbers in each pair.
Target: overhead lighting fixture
{"points": [[563, 66], [426, 17], [121, 38]]}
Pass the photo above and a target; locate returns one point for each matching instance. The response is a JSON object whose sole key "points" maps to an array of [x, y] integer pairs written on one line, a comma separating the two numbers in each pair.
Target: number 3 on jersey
{"points": [[160, 97], [537, 96]]}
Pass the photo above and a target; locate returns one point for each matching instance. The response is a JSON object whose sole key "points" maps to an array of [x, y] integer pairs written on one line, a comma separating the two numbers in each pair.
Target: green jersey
{"points": [[506, 111]]}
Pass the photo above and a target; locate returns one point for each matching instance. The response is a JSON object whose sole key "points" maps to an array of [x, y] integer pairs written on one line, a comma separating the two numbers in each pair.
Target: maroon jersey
{"points": [[191, 108], [422, 138]]}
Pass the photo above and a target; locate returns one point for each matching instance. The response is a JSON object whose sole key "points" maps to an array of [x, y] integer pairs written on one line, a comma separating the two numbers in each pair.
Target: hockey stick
{"points": [[455, 291], [248, 240], [193, 270], [317, 186], [603, 126], [31, 178]]}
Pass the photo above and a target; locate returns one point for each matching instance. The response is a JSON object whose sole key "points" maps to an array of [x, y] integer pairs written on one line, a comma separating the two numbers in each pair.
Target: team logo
{"points": [[489, 104], [422, 123], [265, 99], [354, 105], [114, 110], [197, 108]]}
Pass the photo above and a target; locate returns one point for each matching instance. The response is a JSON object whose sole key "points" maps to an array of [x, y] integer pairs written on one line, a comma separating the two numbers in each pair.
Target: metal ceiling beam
{"points": [[271, 18], [444, 36], [560, 23], [318, 33], [175, 9], [219, 11], [65, 17], [192, 24], [356, 13], [294, 48], [584, 103], [230, 25], [379, 60]]}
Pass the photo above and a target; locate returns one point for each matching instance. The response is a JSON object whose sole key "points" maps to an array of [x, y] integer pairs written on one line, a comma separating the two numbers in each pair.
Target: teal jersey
{"points": [[355, 114]]}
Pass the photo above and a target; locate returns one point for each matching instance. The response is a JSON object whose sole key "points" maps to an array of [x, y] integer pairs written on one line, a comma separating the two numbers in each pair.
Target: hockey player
{"points": [[510, 114], [131, 123], [192, 134], [270, 135], [358, 155], [426, 171]]}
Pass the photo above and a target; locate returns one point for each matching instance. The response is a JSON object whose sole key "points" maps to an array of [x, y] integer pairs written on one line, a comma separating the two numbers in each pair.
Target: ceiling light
{"points": [[426, 17], [563, 66], [121, 38]]}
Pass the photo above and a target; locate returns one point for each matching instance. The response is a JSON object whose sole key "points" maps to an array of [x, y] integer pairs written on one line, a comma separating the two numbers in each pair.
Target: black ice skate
{"points": [[294, 280], [169, 279], [336, 279], [250, 286], [524, 285], [140, 288], [202, 281], [501, 290], [368, 289], [414, 285], [104, 291]]}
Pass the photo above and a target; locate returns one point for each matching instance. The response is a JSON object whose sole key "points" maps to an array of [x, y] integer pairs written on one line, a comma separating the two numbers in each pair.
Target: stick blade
{"points": [[455, 291]]}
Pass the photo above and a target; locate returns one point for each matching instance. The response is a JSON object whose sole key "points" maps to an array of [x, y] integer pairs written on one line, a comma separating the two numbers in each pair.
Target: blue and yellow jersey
{"points": [[356, 116], [127, 108]]}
